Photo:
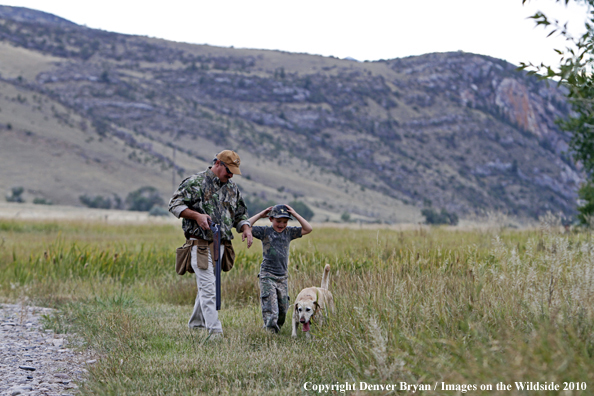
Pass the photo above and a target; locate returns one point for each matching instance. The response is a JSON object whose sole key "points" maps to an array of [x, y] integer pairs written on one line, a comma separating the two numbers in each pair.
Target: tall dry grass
{"points": [[423, 306]]}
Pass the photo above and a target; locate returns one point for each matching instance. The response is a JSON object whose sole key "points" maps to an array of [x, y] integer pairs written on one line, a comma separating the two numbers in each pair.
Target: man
{"points": [[204, 198]]}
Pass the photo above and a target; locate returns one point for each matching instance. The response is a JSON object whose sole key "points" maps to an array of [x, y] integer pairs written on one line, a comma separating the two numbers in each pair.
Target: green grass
{"points": [[423, 306]]}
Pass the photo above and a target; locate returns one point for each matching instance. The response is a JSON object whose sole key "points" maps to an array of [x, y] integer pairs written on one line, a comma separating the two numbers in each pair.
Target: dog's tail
{"points": [[325, 277]]}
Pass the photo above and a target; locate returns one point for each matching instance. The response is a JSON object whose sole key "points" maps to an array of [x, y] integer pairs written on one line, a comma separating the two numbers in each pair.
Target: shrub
{"points": [[442, 217], [158, 211], [302, 209], [42, 201], [256, 205], [96, 202], [586, 206], [16, 195], [143, 199]]}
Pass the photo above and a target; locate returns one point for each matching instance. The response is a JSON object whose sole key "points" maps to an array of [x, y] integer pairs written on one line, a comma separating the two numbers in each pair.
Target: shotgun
{"points": [[216, 240]]}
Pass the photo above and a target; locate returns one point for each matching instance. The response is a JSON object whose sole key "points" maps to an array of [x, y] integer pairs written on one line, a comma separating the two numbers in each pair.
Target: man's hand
{"points": [[247, 235], [203, 221]]}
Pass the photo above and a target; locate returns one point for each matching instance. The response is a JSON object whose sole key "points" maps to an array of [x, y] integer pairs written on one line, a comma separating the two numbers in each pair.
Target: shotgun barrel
{"points": [[216, 234]]}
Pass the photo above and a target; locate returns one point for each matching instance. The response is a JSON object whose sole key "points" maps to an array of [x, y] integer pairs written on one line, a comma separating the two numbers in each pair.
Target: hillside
{"points": [[85, 111]]}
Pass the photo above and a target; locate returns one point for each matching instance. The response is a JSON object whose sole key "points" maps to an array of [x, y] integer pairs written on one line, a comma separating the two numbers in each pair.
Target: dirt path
{"points": [[34, 361]]}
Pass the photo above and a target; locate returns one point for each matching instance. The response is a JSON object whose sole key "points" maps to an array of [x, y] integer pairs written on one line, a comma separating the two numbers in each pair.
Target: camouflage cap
{"points": [[279, 211], [231, 159]]}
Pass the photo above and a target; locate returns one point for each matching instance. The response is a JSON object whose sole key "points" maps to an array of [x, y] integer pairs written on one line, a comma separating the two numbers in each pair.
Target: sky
{"points": [[363, 30]]}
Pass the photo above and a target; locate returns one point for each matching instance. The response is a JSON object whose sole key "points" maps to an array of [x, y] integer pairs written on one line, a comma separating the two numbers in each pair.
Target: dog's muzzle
{"points": [[305, 324]]}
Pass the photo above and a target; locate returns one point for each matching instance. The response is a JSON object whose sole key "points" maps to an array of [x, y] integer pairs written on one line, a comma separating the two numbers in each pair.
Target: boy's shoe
{"points": [[215, 336], [197, 328], [273, 329], [272, 326]]}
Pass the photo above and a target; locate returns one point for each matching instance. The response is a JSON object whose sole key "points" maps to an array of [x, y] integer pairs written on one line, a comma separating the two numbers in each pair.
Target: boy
{"points": [[274, 296]]}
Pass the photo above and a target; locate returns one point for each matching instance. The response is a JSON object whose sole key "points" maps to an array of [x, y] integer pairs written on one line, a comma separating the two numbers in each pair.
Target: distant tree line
{"points": [[145, 199], [101, 202], [16, 195], [435, 217]]}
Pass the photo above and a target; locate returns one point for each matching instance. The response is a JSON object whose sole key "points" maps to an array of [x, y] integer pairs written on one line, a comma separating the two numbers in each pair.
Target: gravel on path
{"points": [[34, 361]]}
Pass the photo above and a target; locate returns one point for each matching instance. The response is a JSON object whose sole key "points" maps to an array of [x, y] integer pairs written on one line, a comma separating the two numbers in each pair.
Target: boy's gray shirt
{"points": [[275, 248]]}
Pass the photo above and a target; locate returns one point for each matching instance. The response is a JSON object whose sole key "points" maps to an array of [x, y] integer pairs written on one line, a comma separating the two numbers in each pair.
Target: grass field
{"points": [[444, 309]]}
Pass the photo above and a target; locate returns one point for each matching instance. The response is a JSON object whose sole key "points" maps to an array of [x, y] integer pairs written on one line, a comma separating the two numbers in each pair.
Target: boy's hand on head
{"points": [[290, 209], [266, 211]]}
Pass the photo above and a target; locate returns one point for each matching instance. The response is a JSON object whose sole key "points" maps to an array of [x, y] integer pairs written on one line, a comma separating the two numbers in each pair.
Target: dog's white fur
{"points": [[312, 302]]}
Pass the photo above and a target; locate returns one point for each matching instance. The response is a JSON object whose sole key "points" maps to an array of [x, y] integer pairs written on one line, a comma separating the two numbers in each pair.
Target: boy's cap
{"points": [[279, 211], [231, 159]]}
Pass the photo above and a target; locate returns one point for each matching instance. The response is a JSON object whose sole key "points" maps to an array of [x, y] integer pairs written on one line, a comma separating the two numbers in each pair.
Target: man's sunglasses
{"points": [[228, 171]]}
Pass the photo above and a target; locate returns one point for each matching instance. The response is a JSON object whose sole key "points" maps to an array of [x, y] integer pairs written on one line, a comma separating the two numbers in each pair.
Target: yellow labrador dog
{"points": [[312, 302]]}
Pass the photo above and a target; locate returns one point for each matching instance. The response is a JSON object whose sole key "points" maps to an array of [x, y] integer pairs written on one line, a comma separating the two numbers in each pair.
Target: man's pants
{"points": [[205, 313], [274, 299]]}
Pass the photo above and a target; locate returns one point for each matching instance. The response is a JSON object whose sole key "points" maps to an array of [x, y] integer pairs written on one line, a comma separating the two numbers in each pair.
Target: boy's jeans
{"points": [[274, 300], [205, 313]]}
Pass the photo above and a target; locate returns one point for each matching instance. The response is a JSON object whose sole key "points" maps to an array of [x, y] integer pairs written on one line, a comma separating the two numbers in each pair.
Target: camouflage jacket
{"points": [[204, 193]]}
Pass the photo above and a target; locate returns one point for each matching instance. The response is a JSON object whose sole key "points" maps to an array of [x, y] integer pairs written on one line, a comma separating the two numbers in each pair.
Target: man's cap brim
{"points": [[234, 169], [282, 215]]}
